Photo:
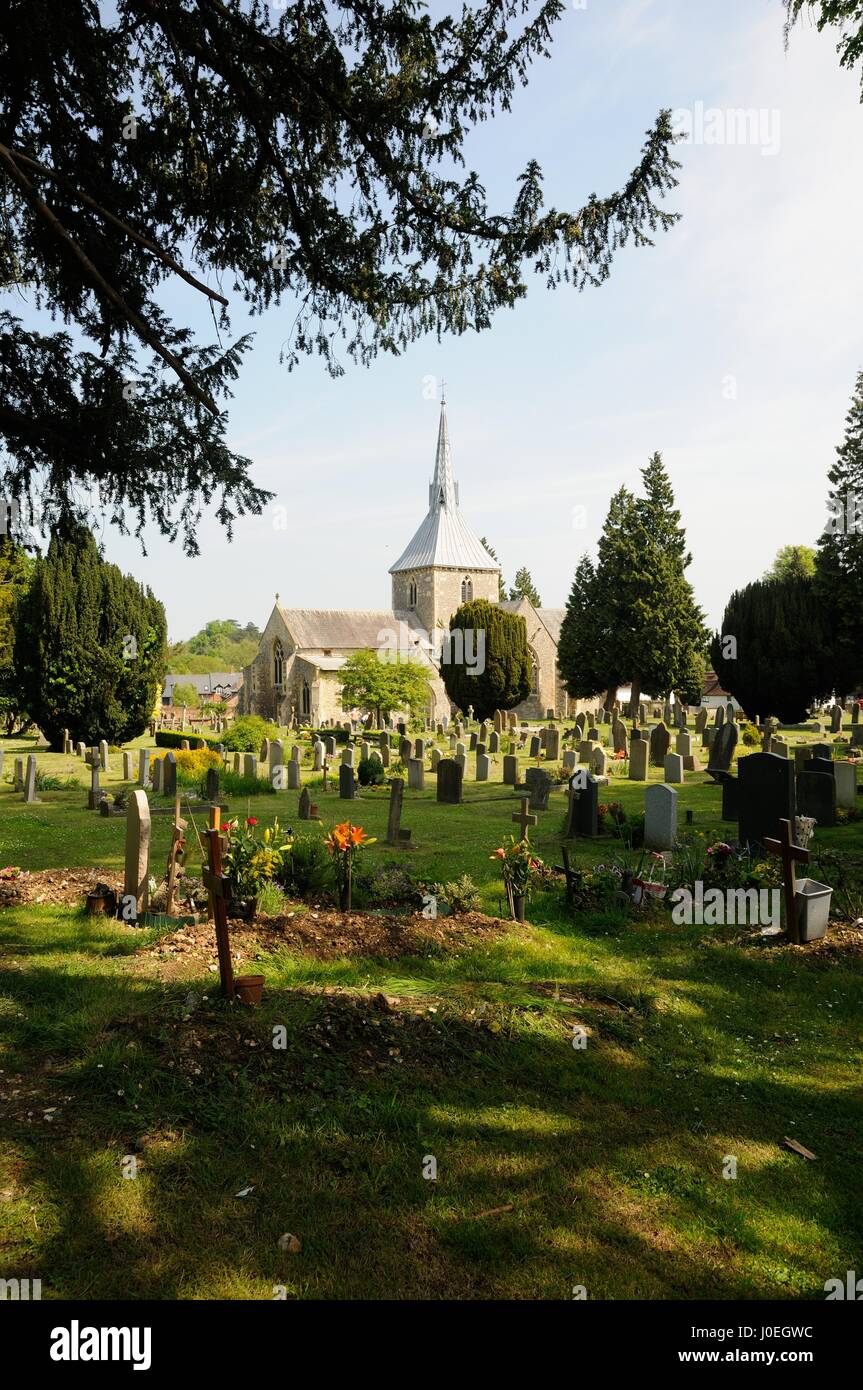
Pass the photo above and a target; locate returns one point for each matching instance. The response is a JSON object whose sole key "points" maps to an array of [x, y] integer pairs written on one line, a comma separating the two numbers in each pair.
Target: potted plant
{"points": [[343, 843], [248, 862], [647, 889], [518, 867]]}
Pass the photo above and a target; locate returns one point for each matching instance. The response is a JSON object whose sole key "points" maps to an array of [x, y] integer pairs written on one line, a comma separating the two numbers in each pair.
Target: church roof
{"points": [[330, 630], [444, 537]]}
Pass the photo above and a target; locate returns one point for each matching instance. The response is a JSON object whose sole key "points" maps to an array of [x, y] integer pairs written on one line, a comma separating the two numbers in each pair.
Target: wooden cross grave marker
{"points": [[790, 855], [175, 853], [215, 884], [524, 818]]}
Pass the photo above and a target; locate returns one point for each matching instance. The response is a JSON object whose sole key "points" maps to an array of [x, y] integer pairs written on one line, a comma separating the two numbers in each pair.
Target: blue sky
{"points": [[731, 347]]}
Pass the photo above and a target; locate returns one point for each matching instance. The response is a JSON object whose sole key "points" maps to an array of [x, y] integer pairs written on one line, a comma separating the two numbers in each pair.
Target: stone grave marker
{"points": [[836, 719], [103, 754], [660, 740], [143, 767], [722, 748], [845, 777], [416, 774], [347, 782], [552, 745], [449, 781], [95, 794], [765, 796], [494, 742], [169, 784], [304, 809], [318, 752], [128, 772], [136, 872], [638, 751], [483, 767], [395, 835], [30, 779], [673, 767], [510, 770], [435, 758], [293, 775], [538, 783], [211, 784], [598, 761], [660, 817], [816, 796]]}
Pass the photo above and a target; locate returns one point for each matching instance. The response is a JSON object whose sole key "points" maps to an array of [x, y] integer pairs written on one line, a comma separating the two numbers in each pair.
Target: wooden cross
{"points": [[214, 882], [790, 854], [175, 853], [523, 818]]}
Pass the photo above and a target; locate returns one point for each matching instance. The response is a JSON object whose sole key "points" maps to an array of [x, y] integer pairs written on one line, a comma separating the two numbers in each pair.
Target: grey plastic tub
{"points": [[812, 902]]}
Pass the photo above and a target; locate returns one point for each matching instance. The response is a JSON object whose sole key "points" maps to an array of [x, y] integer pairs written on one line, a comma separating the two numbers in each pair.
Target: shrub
{"points": [[169, 738], [247, 733], [390, 884], [460, 895], [370, 772], [751, 736], [306, 868], [236, 784]]}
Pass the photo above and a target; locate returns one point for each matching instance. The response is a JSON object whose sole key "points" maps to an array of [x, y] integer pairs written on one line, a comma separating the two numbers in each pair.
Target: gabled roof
{"points": [[444, 538], [205, 685], [340, 629]]}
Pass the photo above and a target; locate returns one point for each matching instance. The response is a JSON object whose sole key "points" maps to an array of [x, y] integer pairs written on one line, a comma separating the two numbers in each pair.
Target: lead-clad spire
{"points": [[444, 538]]}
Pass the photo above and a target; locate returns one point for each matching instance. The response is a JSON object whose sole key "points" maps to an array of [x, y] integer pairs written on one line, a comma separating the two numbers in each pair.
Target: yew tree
{"points": [[308, 155]]}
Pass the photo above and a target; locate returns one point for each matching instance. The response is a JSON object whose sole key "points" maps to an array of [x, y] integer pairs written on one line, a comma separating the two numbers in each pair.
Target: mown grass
{"points": [[611, 1158]]}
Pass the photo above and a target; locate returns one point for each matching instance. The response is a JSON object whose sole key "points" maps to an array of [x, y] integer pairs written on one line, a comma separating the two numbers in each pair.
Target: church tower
{"points": [[445, 564]]}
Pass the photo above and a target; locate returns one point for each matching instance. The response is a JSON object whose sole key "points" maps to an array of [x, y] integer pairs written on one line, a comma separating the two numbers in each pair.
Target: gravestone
{"points": [[250, 765], [538, 783], [128, 769], [683, 745], [293, 776], [820, 750], [481, 749], [238, 764], [435, 758], [701, 721], [265, 751], [845, 776], [136, 872], [103, 755], [638, 751], [169, 784], [348, 754], [660, 740], [730, 796], [211, 784], [331, 745], [836, 719], [719, 717], [535, 746], [95, 793], [593, 734], [618, 735], [510, 770], [765, 796], [277, 760], [347, 782], [81, 750], [722, 748], [816, 796], [449, 781], [483, 767], [158, 776], [568, 761], [395, 834], [552, 745], [296, 753], [660, 817], [405, 750], [598, 761], [855, 711], [494, 742], [384, 754], [673, 767], [583, 814], [304, 809], [30, 779], [416, 774]]}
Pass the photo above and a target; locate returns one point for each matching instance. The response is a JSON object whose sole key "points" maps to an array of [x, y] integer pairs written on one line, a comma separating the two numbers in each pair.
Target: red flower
{"points": [[251, 820]]}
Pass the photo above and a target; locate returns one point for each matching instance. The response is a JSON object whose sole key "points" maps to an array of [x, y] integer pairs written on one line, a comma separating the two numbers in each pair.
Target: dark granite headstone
{"points": [[766, 796], [449, 781], [305, 807], [660, 741], [583, 816], [538, 783], [816, 796], [211, 784], [722, 747], [347, 783], [730, 797], [169, 785]]}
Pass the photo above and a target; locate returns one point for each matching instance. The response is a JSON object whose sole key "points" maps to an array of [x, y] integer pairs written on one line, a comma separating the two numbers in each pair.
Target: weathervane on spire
{"points": [[442, 391]]}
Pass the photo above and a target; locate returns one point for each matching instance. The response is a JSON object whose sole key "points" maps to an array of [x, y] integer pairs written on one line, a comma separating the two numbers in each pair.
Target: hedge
{"points": [[167, 738]]}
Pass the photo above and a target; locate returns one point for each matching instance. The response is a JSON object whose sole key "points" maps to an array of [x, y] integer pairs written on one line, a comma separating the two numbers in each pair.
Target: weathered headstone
{"points": [[836, 719], [660, 817], [660, 740], [816, 796], [293, 776], [598, 761], [211, 784], [483, 767], [510, 770], [169, 784], [538, 784], [136, 872], [416, 774], [103, 754], [30, 779], [395, 834], [128, 771], [722, 748], [673, 767], [143, 767], [304, 809], [683, 745], [318, 753], [552, 745], [638, 752], [618, 735]]}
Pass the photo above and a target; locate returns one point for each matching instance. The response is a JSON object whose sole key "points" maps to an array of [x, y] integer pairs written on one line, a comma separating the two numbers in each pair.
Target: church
{"points": [[294, 677]]}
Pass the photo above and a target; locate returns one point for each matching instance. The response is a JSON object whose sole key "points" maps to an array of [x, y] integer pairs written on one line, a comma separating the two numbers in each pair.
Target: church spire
{"points": [[443, 490]]}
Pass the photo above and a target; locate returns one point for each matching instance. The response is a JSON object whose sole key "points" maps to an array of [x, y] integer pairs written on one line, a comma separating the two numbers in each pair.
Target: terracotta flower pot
{"points": [[249, 988]]}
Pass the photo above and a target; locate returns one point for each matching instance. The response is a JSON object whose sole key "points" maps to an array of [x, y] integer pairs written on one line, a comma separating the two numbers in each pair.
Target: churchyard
{"points": [[433, 1098]]}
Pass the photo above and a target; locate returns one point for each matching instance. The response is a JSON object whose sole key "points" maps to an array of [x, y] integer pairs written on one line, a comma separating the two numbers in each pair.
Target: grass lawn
{"points": [[556, 1167]]}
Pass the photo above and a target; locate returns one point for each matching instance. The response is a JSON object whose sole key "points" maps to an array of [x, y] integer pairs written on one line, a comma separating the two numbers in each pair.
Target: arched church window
{"points": [[412, 594], [278, 665], [307, 698], [466, 590]]}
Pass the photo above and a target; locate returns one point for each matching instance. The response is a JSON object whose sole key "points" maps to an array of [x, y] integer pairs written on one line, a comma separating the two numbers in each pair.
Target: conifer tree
{"points": [[501, 587], [90, 645], [524, 587], [839, 574], [492, 639], [771, 652], [632, 616]]}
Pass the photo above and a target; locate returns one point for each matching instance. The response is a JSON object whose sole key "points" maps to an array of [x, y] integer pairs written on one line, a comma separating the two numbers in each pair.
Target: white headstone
{"points": [[660, 817]]}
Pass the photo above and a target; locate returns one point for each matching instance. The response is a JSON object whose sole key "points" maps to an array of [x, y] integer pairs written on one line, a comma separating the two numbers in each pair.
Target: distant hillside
{"points": [[221, 645]]}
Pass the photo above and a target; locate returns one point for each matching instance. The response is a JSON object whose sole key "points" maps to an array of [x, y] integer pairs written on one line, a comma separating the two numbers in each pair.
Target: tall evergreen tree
{"points": [[771, 652], [505, 680], [632, 616], [524, 587], [501, 587], [16, 568], [839, 575], [90, 645], [302, 153]]}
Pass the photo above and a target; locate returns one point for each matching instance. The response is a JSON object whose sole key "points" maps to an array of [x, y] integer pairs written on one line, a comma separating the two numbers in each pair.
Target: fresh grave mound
{"points": [[54, 885], [328, 934]]}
